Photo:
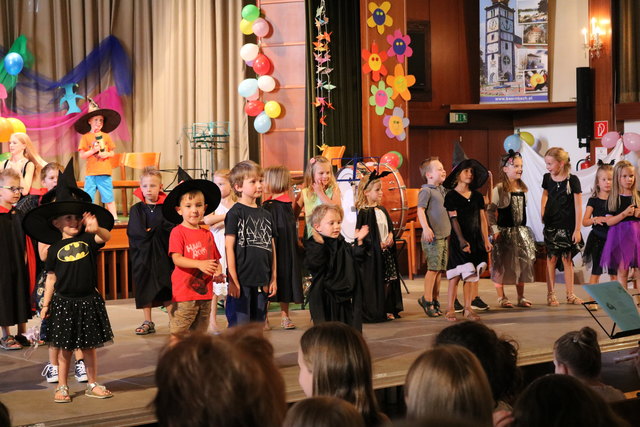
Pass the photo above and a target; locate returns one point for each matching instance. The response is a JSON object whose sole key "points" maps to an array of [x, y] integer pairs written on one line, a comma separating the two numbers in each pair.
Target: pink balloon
{"points": [[610, 139], [631, 141], [260, 27], [255, 96]]}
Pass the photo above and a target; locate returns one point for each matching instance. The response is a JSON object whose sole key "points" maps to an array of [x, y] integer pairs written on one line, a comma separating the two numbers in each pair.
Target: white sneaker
{"points": [[50, 372], [81, 372]]}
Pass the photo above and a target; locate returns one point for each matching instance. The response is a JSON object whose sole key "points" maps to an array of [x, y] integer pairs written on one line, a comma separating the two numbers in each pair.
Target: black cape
{"points": [[336, 288], [288, 270], [151, 265], [15, 305], [378, 297]]}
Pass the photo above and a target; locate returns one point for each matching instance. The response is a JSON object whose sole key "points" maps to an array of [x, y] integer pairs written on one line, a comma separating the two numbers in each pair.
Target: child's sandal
{"points": [[471, 315], [504, 302], [91, 393], [63, 391], [523, 302], [573, 299], [9, 343], [146, 328], [552, 301], [451, 316]]}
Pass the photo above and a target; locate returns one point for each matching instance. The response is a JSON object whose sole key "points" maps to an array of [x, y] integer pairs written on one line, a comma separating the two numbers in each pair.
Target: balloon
{"points": [[260, 27], [392, 158], [249, 63], [273, 109], [610, 139], [512, 142], [250, 12], [13, 63], [248, 87], [262, 65], [253, 108], [249, 51], [266, 83], [245, 27], [262, 123], [528, 138], [6, 129], [400, 158], [253, 97], [18, 126], [631, 141]]}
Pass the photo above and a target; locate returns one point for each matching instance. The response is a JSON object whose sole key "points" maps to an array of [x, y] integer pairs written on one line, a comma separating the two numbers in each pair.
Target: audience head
{"points": [[577, 353], [5, 418], [335, 361], [448, 381], [323, 411], [498, 356], [560, 401], [225, 380]]}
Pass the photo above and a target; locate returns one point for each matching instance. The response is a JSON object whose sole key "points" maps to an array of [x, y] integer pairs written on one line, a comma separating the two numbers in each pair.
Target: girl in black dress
{"points": [[469, 242]]}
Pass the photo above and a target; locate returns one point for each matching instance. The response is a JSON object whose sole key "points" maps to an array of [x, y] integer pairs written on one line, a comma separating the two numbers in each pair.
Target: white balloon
{"points": [[266, 83], [249, 51]]}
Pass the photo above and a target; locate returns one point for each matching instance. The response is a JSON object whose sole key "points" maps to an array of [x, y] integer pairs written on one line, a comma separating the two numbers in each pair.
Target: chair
{"points": [[413, 255], [134, 161], [334, 154]]}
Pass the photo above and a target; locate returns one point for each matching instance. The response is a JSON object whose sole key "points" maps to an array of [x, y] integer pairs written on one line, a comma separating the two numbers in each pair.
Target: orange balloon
{"points": [[6, 129]]}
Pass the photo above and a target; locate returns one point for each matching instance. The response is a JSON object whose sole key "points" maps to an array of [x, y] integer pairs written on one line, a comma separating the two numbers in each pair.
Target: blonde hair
{"points": [[426, 165], [613, 202], [241, 171], [448, 381], [321, 210], [8, 173], [225, 174], [363, 186], [30, 152], [310, 171], [276, 179], [340, 362], [596, 187], [560, 155], [151, 171]]}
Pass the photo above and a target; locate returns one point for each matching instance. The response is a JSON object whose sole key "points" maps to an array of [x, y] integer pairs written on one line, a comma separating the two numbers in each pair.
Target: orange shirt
{"points": [[95, 165]]}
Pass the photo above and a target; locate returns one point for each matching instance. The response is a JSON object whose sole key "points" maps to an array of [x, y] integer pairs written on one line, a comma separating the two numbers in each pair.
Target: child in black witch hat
{"points": [[469, 242], [76, 229]]}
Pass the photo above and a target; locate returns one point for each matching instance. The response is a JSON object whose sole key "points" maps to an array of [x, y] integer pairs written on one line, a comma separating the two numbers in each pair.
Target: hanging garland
{"points": [[323, 70]]}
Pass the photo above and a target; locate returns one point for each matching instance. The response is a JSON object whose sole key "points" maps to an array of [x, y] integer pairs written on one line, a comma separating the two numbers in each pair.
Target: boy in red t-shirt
{"points": [[97, 148], [194, 254]]}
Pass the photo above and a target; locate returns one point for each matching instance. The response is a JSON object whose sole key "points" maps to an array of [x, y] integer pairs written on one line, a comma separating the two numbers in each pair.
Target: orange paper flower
{"points": [[400, 83]]}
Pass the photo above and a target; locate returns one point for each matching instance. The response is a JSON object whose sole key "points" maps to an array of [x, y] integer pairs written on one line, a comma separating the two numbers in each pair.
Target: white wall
{"points": [[558, 136], [568, 53]]}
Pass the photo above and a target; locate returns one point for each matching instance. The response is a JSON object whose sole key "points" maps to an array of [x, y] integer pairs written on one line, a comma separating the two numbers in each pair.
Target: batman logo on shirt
{"points": [[73, 252]]}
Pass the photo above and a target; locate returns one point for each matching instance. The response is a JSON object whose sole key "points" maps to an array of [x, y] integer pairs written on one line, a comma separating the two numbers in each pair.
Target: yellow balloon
{"points": [[273, 109], [246, 27], [6, 129], [18, 126], [528, 138]]}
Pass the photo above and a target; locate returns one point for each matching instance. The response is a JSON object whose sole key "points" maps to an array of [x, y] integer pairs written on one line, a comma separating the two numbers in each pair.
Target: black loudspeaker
{"points": [[584, 107]]}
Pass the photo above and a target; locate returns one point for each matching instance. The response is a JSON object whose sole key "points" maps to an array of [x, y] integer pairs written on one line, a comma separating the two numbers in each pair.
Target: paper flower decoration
{"points": [[381, 97], [400, 83], [374, 62], [399, 46], [395, 124], [379, 16]]}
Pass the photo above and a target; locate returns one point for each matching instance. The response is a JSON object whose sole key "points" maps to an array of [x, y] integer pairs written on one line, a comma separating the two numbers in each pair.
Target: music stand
{"points": [[618, 305]]}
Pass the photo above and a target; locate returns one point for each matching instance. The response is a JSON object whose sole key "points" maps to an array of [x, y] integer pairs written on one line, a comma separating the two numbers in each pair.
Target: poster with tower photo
{"points": [[514, 51]]}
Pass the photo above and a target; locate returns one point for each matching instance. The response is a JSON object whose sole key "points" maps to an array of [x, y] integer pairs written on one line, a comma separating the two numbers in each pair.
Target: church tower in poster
{"points": [[499, 49]]}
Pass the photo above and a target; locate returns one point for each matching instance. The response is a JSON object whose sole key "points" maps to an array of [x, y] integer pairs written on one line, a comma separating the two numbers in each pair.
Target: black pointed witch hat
{"points": [[210, 190], [462, 162], [66, 198], [111, 118]]}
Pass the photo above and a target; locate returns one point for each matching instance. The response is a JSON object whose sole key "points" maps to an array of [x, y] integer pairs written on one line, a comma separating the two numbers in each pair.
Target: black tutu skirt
{"points": [[593, 253], [78, 322], [559, 242]]}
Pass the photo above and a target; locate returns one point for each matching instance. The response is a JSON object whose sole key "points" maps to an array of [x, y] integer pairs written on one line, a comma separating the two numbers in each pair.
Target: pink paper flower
{"points": [[399, 46]]}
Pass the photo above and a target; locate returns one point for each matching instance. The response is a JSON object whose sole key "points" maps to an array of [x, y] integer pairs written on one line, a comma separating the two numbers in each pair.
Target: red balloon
{"points": [[391, 159], [262, 65], [253, 108]]}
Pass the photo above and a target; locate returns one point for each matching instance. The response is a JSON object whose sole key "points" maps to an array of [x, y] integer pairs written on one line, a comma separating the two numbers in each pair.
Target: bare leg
{"points": [[568, 274], [54, 355], [64, 359], [213, 325], [429, 284], [595, 278], [520, 290], [551, 273], [284, 309], [22, 328], [79, 355], [111, 207], [91, 362], [499, 290], [453, 290], [146, 310], [469, 289], [436, 285]]}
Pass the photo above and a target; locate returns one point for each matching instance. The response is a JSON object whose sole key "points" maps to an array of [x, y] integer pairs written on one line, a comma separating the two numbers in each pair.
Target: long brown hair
{"points": [[448, 381], [507, 160], [580, 351], [613, 202], [340, 361]]}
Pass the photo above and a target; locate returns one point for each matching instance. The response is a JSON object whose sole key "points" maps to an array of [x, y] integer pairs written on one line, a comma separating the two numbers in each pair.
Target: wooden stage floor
{"points": [[127, 366]]}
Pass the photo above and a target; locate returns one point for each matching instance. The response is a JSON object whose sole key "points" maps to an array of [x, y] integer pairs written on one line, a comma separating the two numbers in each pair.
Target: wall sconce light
{"points": [[593, 38]]}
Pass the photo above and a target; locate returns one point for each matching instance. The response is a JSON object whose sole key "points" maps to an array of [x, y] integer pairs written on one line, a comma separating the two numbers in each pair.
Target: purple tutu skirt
{"points": [[622, 248]]}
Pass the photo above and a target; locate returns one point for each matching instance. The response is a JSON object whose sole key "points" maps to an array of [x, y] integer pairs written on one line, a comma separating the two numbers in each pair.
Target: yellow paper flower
{"points": [[400, 83], [379, 16]]}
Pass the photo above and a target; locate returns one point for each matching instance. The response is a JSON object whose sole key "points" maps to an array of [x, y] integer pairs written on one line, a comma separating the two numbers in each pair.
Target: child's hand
{"points": [[208, 266], [576, 238], [636, 212], [465, 246], [428, 235], [317, 188], [488, 246], [44, 312], [362, 233], [103, 154], [273, 288], [219, 278], [234, 289], [90, 223], [629, 211], [218, 226]]}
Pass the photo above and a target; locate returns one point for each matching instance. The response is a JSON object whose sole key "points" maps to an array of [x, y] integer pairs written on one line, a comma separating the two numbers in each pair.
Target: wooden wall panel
{"points": [[285, 47]]}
